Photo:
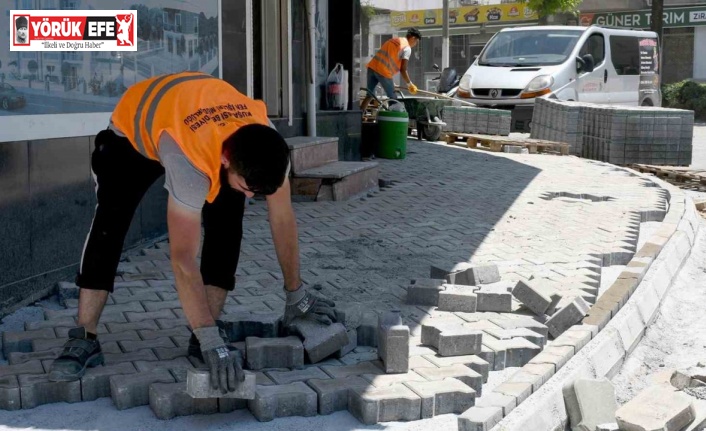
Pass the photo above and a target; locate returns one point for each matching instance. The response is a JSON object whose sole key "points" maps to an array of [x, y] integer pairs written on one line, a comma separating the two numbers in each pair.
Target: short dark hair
{"points": [[413, 32], [260, 155]]}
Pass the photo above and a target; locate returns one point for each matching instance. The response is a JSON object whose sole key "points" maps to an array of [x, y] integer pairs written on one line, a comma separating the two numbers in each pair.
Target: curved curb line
{"points": [[622, 317]]}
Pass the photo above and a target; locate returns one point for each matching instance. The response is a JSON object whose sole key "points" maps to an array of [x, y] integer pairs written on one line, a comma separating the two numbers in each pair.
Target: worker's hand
{"points": [[412, 88], [301, 303], [225, 366]]}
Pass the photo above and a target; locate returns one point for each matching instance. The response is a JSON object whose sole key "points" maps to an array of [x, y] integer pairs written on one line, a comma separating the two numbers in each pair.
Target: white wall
{"points": [[699, 58]]}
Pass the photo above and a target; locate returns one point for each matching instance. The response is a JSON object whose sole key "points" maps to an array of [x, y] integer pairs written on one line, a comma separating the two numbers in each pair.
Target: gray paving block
{"points": [[482, 274], [31, 367], [287, 352], [540, 299], [132, 390], [425, 291], [474, 362], [66, 291], [494, 300], [391, 403], [169, 353], [146, 325], [393, 343], [568, 316], [179, 331], [37, 390], [442, 397], [294, 399], [181, 363], [494, 399], [659, 407], [457, 298], [590, 403], [148, 315], [368, 329], [69, 322], [508, 334], [239, 326], [21, 341], [452, 340], [133, 346], [286, 377], [352, 344], [526, 323], [45, 344], [333, 393], [320, 341], [349, 314], [359, 369], [494, 352], [96, 382], [10, 393], [198, 385], [228, 405], [140, 355], [169, 400], [520, 351], [458, 371], [520, 390], [382, 380], [454, 273], [16, 358], [480, 418]]}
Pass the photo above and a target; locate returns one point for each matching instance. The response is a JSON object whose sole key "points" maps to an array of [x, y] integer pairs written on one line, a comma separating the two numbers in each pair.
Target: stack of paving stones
{"points": [[485, 121], [618, 135]]}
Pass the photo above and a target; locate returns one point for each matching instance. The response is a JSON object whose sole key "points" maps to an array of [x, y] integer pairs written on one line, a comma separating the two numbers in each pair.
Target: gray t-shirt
{"points": [[186, 184]]}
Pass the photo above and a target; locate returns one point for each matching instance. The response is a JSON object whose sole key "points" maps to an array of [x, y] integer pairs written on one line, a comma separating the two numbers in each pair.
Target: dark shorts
{"points": [[122, 176]]}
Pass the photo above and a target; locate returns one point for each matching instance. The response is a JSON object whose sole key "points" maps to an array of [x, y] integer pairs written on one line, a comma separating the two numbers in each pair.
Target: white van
{"points": [[588, 64]]}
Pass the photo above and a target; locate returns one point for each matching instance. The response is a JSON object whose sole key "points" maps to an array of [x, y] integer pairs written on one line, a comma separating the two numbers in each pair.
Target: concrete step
{"points": [[336, 181], [310, 152]]}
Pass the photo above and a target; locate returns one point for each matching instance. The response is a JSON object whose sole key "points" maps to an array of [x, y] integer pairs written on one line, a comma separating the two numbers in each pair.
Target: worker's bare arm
{"points": [[283, 224]]}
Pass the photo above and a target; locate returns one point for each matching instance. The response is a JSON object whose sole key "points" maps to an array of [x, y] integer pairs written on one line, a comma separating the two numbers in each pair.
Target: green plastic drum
{"points": [[392, 129]]}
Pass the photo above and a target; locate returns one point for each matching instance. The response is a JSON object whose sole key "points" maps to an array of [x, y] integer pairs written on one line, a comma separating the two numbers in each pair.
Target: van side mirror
{"points": [[585, 64]]}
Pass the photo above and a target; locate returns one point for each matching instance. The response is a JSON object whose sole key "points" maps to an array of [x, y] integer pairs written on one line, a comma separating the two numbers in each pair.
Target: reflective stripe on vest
{"points": [[386, 61]]}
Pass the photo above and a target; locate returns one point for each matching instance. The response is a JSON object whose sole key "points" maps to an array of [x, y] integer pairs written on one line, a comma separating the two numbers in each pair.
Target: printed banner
{"points": [[464, 15], [73, 30], [673, 17]]}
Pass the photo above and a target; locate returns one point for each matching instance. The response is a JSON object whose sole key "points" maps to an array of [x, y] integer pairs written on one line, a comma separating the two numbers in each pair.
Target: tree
{"points": [[657, 21], [545, 8]]}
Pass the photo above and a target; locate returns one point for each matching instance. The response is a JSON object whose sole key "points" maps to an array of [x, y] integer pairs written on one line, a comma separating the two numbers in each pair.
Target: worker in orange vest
{"points": [[215, 147], [390, 59]]}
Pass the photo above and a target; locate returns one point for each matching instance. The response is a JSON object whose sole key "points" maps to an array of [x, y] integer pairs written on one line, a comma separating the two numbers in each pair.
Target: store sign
{"points": [[673, 17], [464, 15]]}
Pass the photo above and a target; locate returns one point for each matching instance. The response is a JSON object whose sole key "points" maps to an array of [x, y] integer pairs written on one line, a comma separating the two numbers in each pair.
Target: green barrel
{"points": [[392, 129]]}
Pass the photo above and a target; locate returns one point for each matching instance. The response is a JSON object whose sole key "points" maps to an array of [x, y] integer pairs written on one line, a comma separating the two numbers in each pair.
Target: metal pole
{"points": [[445, 37]]}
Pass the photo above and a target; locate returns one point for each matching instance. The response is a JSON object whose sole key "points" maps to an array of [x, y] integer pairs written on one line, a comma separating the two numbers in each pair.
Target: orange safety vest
{"points": [[387, 61], [198, 111]]}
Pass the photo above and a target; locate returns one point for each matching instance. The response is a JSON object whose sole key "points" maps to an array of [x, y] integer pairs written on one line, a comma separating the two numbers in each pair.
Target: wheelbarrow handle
{"points": [[440, 96]]}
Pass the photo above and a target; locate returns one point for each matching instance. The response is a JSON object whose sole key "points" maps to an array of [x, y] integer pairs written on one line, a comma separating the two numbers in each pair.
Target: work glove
{"points": [[412, 88], [301, 303], [225, 366]]}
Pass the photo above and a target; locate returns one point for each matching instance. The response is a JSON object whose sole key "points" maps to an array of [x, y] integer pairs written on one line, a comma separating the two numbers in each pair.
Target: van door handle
{"points": [[605, 76]]}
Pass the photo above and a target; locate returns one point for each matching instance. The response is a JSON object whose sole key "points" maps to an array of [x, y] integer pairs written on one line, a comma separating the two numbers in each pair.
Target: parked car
{"points": [[10, 98], [586, 64]]}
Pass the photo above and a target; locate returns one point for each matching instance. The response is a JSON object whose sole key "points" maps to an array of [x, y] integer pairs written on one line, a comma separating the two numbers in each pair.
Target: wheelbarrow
{"points": [[425, 115]]}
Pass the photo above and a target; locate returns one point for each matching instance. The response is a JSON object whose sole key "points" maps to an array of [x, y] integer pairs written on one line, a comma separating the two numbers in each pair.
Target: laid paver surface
{"points": [[555, 220]]}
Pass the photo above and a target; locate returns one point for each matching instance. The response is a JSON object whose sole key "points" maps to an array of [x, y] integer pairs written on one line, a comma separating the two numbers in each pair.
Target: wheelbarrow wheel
{"points": [[432, 133]]}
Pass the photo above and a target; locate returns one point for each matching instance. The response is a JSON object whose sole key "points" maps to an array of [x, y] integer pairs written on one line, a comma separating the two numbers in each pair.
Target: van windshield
{"points": [[529, 48]]}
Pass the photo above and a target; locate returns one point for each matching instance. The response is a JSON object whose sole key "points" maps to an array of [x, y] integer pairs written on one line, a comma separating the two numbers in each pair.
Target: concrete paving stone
{"points": [[147, 325], [198, 385], [474, 362], [179, 331], [132, 390], [150, 315], [359, 369], [508, 334], [523, 322], [172, 364], [419, 362], [457, 298], [67, 290], [452, 340], [443, 397], [294, 399], [10, 393], [482, 274], [255, 306], [169, 353], [239, 326], [425, 291], [393, 343], [382, 380], [133, 346], [495, 399], [568, 316], [454, 273], [169, 400], [494, 352], [142, 297], [354, 358], [31, 367], [229, 405], [575, 339], [520, 390], [557, 356], [48, 344], [171, 323], [140, 355], [96, 382], [368, 329], [391, 403], [262, 380], [333, 393], [161, 305], [419, 350], [494, 300], [37, 390], [351, 346], [180, 374], [589, 403], [286, 352], [16, 358], [608, 427], [69, 322], [21, 341], [545, 371], [320, 341], [519, 351], [118, 336], [349, 314], [457, 371], [523, 376], [480, 418], [659, 407], [286, 377], [540, 299], [180, 341]]}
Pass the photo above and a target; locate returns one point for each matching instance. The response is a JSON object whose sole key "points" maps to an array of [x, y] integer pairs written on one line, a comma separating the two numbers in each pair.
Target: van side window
{"points": [[595, 45], [625, 53]]}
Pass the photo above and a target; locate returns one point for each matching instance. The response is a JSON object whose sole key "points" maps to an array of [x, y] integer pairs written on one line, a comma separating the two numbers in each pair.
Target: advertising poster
{"points": [[649, 67], [464, 15], [172, 36]]}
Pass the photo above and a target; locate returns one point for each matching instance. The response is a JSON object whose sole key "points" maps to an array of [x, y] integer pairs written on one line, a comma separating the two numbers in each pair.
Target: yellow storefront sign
{"points": [[464, 15]]}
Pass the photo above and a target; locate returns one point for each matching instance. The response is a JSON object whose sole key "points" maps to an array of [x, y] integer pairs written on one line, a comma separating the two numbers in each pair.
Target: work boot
{"points": [[79, 353], [194, 348]]}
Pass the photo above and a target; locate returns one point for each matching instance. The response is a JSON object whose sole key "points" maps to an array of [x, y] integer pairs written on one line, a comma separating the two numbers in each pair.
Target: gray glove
{"points": [[304, 304], [225, 366]]}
